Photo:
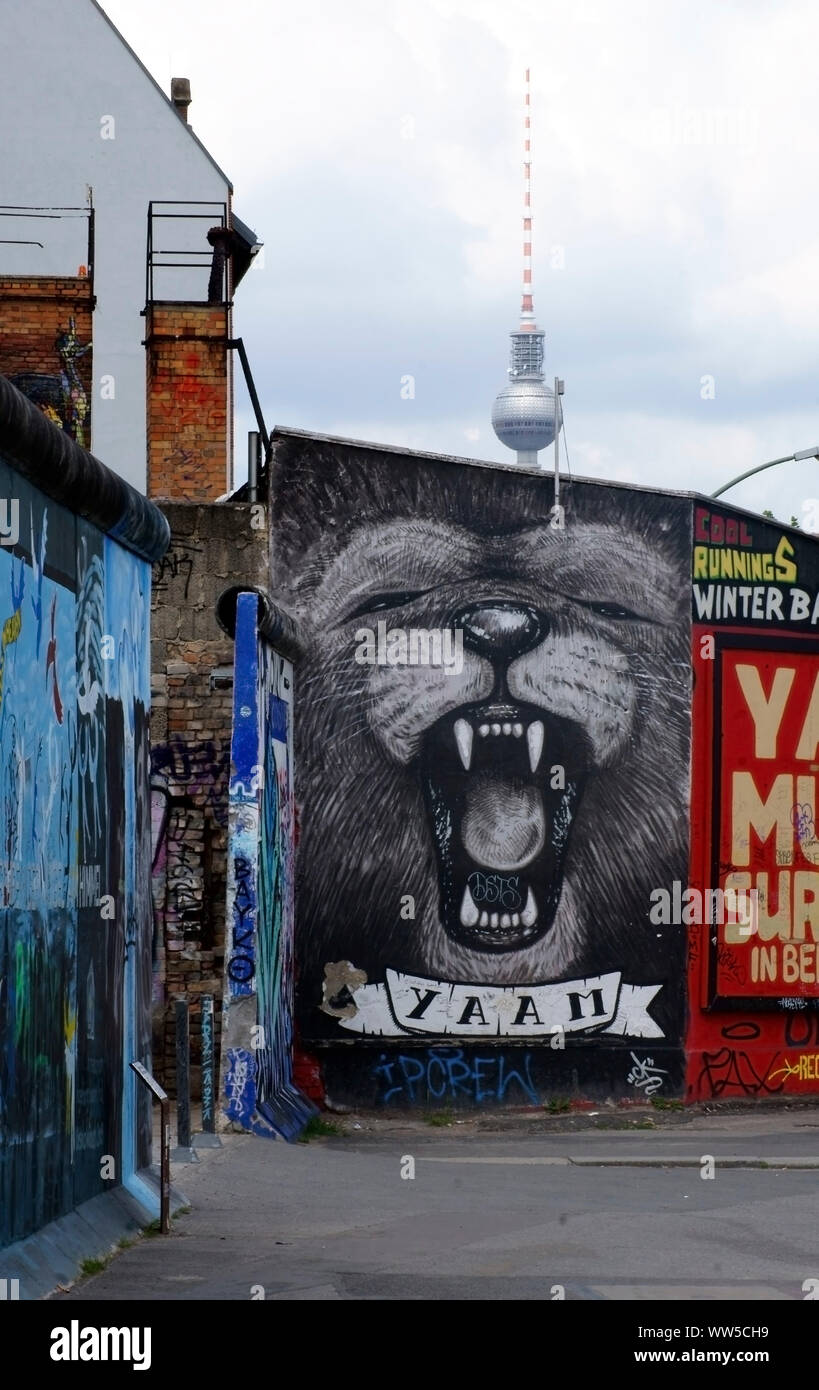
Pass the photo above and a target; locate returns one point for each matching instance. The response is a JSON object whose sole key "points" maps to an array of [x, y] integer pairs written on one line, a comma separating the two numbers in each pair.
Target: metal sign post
{"points": [[165, 1151], [559, 385]]}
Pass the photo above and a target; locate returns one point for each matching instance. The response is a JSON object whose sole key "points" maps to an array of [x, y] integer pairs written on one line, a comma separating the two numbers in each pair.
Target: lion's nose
{"points": [[501, 631]]}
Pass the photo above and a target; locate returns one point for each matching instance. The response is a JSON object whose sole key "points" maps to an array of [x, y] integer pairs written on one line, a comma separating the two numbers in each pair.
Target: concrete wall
{"points": [[211, 548], [75, 922], [78, 110]]}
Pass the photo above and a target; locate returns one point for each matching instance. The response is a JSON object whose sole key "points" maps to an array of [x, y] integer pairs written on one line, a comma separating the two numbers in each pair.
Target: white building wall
{"points": [[65, 76]]}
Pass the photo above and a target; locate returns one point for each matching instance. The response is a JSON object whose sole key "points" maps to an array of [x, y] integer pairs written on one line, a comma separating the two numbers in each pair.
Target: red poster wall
{"points": [[753, 1025]]}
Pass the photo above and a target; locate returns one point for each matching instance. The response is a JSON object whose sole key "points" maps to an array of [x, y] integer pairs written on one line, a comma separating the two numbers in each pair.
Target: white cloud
{"points": [[376, 148]]}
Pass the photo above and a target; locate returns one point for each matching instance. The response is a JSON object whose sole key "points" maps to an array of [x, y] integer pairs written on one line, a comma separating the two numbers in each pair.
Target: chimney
{"points": [[188, 400], [181, 96]]}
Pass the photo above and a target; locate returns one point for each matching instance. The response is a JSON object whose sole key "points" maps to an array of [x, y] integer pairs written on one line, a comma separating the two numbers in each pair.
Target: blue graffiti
{"points": [[242, 963], [439, 1074], [241, 1094], [277, 719]]}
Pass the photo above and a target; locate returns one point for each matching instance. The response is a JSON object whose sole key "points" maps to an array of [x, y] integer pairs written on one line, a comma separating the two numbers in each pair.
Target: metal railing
{"points": [[166, 258], [51, 214]]}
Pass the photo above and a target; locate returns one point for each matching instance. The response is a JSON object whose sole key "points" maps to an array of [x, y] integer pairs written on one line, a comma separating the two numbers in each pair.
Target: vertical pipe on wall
{"points": [[558, 389], [253, 451], [165, 1168]]}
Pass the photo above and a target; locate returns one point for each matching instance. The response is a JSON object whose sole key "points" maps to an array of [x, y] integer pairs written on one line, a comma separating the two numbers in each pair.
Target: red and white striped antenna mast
{"points": [[527, 312]]}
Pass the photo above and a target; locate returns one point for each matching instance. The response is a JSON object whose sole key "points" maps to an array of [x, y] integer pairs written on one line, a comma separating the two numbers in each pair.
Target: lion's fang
{"points": [[463, 738], [534, 738], [529, 914], [469, 912]]}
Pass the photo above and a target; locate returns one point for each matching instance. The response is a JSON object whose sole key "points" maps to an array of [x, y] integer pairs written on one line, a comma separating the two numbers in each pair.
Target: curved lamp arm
{"points": [[789, 458]]}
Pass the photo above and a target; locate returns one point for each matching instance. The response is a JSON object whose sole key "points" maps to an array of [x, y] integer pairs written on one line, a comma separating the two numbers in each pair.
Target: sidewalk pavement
{"points": [[391, 1206]]}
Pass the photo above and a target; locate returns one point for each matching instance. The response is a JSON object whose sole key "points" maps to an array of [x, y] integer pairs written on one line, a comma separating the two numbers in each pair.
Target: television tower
{"points": [[523, 416]]}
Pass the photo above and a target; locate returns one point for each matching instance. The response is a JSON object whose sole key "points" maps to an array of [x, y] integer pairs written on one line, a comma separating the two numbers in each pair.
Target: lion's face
{"points": [[521, 806]]}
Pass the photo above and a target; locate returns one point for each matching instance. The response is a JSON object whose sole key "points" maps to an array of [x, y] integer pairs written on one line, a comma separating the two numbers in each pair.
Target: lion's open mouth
{"points": [[502, 781]]}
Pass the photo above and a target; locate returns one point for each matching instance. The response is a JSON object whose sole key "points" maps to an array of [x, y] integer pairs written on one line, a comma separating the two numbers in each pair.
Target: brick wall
{"points": [[212, 548], [188, 400], [34, 311]]}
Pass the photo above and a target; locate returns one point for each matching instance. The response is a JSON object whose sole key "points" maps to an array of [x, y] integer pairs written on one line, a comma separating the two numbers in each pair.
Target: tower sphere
{"points": [[523, 415]]}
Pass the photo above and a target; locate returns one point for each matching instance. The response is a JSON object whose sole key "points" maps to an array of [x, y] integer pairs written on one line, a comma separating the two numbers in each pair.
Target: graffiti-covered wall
{"points": [[75, 964], [754, 943], [258, 1091], [492, 772], [45, 346], [191, 711]]}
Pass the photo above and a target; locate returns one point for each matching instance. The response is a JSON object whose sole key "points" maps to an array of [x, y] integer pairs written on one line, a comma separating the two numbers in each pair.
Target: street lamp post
{"points": [[789, 458]]}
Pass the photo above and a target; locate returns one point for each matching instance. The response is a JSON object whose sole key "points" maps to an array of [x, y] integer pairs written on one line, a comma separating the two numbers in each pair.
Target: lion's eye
{"points": [[614, 610], [380, 602]]}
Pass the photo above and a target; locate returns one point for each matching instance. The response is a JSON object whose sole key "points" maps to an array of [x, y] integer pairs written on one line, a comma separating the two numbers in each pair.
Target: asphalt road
{"points": [[598, 1215]]}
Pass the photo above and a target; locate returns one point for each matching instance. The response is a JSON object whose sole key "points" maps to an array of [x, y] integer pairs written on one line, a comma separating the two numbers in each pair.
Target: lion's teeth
{"points": [[483, 730], [534, 738], [463, 738], [517, 730], [493, 919], [529, 914], [507, 728], [515, 919], [506, 920], [484, 919], [496, 728], [469, 912]]}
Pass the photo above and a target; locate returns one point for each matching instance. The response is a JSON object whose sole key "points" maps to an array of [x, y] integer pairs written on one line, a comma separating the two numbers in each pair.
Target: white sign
{"points": [[409, 1004]]}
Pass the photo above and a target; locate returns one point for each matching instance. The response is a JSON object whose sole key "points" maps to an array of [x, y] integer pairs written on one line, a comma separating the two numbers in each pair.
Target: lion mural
{"points": [[499, 818]]}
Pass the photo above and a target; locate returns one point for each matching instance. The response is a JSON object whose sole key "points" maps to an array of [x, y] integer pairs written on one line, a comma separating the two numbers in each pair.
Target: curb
{"points": [[677, 1161]]}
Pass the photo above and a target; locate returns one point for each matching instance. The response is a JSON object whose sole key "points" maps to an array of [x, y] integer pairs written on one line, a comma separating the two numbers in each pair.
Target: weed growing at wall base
{"points": [[316, 1128]]}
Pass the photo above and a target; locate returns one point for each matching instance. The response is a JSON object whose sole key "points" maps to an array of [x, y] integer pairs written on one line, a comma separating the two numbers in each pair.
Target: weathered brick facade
{"points": [[36, 311], [212, 548], [189, 400]]}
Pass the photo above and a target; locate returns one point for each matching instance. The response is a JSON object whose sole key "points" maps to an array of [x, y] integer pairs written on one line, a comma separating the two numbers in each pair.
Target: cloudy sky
{"points": [[375, 147]]}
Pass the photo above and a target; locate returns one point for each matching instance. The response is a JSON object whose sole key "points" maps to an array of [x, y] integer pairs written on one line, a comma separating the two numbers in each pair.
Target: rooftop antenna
{"points": [[523, 415]]}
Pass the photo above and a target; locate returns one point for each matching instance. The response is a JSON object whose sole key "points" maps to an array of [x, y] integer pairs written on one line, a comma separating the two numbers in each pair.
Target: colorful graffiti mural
{"points": [[258, 1088], [74, 836], [61, 397], [754, 976], [188, 813]]}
